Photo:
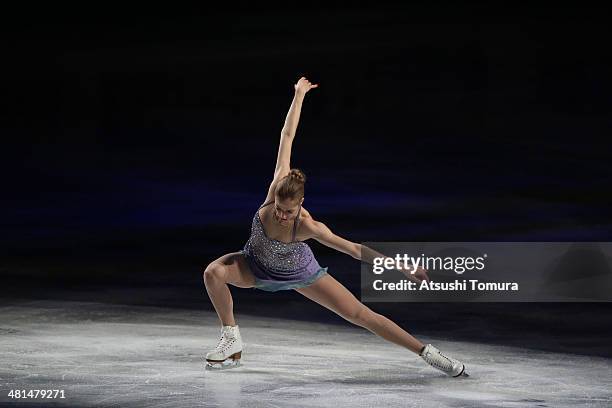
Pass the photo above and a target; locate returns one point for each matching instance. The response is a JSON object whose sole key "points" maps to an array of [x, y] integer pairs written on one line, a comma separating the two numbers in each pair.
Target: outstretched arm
{"points": [[291, 122], [324, 235]]}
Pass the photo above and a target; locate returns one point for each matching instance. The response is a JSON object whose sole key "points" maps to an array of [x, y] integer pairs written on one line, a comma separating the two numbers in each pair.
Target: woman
{"points": [[276, 258]]}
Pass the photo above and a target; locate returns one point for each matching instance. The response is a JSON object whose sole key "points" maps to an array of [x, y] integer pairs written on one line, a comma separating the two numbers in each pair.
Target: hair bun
{"points": [[298, 175], [291, 186]]}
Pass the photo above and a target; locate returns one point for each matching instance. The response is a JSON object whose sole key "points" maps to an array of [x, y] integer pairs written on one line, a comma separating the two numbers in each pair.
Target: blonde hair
{"points": [[292, 185]]}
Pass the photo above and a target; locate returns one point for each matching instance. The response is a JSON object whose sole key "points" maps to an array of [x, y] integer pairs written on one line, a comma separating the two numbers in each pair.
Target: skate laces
{"points": [[227, 339], [439, 360]]}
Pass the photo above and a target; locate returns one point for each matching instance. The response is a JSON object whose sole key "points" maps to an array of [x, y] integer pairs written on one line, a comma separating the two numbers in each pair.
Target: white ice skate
{"points": [[228, 351], [450, 366]]}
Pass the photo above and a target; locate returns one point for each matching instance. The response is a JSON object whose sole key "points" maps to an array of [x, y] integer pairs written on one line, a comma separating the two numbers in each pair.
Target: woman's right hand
{"points": [[417, 275], [303, 86]]}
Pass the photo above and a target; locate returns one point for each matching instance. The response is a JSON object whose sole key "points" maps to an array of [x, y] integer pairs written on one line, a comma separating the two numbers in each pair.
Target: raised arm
{"points": [[283, 159]]}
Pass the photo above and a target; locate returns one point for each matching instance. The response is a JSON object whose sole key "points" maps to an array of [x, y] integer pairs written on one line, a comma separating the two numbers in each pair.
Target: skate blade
{"points": [[222, 365]]}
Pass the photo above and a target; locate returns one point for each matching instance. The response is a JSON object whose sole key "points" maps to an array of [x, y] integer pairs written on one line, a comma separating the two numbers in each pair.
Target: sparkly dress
{"points": [[279, 265]]}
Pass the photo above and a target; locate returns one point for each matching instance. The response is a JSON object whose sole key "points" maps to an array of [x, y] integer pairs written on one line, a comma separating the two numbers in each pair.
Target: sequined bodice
{"points": [[277, 256]]}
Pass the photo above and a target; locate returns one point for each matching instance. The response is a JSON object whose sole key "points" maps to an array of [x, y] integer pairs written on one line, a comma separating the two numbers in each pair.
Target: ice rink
{"points": [[107, 355]]}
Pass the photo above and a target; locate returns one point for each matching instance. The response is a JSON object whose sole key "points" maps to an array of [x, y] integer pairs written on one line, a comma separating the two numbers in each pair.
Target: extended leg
{"points": [[330, 293]]}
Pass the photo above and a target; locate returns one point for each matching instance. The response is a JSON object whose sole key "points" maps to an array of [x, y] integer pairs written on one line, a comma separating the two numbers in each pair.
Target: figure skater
{"points": [[276, 257]]}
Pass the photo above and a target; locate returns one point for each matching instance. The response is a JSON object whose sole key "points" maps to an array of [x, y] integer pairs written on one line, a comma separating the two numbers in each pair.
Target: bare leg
{"points": [[330, 293], [230, 268]]}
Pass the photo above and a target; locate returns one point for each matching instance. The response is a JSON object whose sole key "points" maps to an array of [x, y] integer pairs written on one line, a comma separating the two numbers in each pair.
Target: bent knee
{"points": [[214, 271]]}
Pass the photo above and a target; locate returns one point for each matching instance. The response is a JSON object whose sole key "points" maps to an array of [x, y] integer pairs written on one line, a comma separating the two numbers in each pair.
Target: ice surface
{"points": [[115, 355]]}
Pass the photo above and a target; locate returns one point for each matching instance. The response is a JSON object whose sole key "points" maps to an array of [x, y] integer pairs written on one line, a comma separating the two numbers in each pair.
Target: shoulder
{"points": [[309, 227]]}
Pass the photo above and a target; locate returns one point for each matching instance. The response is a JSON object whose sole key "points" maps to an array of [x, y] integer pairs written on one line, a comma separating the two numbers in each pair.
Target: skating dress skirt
{"points": [[279, 265]]}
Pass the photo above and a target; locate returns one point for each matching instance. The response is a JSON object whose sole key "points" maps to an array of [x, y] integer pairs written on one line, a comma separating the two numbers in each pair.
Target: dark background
{"points": [[138, 143]]}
